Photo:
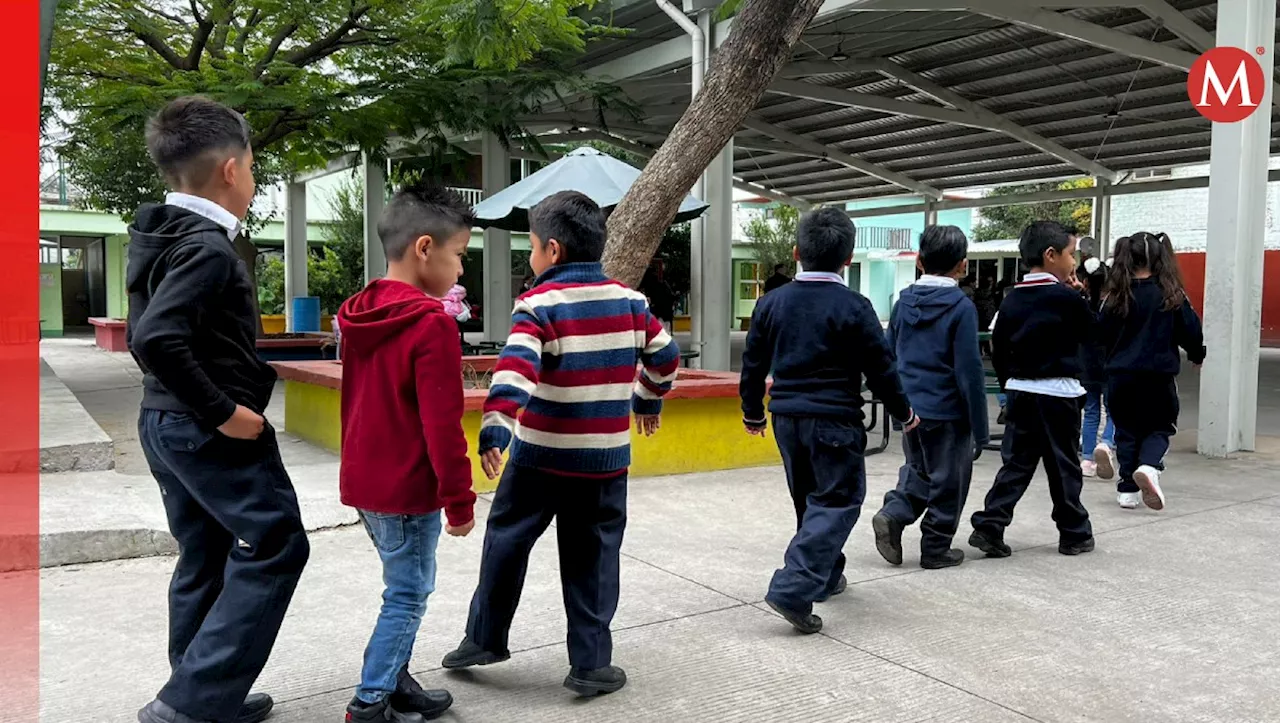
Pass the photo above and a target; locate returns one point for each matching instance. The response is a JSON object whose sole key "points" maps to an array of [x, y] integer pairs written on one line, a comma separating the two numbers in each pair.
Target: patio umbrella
{"points": [[602, 177]]}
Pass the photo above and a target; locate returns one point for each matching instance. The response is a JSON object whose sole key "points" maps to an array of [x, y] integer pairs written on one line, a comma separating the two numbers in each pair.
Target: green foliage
{"points": [[774, 240], [1007, 222], [314, 78], [271, 284], [675, 252]]}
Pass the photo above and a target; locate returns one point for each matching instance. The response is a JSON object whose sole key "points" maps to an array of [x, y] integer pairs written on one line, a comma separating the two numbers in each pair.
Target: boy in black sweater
{"points": [[820, 339], [1036, 341], [933, 331], [230, 503]]}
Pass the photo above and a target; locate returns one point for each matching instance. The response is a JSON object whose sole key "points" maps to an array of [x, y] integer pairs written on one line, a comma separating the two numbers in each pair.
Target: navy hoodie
{"points": [[933, 330], [1148, 338]]}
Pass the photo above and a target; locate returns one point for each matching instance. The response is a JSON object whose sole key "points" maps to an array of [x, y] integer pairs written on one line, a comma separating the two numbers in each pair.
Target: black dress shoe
{"points": [[257, 707], [411, 698], [807, 623], [158, 711], [381, 712], [836, 589], [993, 546], [588, 683], [888, 537], [1076, 548], [950, 558], [469, 654]]}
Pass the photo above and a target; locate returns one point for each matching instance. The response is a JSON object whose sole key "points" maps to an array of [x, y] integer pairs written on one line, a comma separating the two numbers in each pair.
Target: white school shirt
{"points": [[823, 276], [208, 209], [1060, 387]]}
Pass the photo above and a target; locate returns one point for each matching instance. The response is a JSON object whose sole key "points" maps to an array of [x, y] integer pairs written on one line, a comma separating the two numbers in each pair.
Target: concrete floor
{"points": [[1171, 619]]}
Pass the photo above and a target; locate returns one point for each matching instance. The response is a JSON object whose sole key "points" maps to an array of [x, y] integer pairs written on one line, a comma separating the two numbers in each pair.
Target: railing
{"points": [[470, 195], [882, 237]]}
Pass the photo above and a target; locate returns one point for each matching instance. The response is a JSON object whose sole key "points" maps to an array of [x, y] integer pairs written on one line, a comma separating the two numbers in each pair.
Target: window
{"points": [[1151, 174], [750, 285]]}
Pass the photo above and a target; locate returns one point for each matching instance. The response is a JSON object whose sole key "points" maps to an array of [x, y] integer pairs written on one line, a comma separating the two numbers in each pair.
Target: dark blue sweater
{"points": [[819, 339], [1039, 332], [1148, 337], [933, 330]]}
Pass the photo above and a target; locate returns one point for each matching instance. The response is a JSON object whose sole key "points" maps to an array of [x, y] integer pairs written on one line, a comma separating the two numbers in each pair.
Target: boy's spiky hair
{"points": [[191, 136], [423, 208]]}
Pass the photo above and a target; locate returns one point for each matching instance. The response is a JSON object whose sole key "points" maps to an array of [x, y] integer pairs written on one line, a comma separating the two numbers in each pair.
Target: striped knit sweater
{"points": [[570, 364]]}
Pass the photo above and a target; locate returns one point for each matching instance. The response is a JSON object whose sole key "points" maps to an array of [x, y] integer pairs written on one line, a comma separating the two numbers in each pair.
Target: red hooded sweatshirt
{"points": [[403, 451]]}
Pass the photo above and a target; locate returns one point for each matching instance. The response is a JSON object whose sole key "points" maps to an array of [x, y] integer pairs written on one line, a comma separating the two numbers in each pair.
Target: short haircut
{"points": [[422, 209], [942, 248], [191, 136], [1088, 246], [825, 239], [574, 221], [1038, 238]]}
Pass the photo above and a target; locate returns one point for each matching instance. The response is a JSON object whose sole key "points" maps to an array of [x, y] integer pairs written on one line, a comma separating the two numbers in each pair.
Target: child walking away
{"points": [[933, 331], [404, 456], [820, 339], [1098, 456], [570, 364], [230, 504], [1036, 354], [1146, 318]]}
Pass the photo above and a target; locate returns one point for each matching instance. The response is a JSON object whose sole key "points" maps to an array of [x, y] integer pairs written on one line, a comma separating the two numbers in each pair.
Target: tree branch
{"points": [[250, 24], [276, 41], [329, 44], [199, 37], [156, 43]]}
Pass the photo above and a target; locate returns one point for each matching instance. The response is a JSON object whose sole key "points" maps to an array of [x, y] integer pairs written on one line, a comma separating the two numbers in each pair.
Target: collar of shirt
{"points": [[931, 280], [1037, 279], [824, 276], [208, 209]]}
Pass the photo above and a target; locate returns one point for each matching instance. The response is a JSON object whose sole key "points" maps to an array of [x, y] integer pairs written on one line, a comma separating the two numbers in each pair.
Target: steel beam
{"points": [[867, 101], [844, 159]]}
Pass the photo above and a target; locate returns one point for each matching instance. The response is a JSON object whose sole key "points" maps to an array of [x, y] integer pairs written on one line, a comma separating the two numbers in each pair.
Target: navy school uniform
{"points": [[819, 339], [1142, 368], [933, 330], [1036, 341]]}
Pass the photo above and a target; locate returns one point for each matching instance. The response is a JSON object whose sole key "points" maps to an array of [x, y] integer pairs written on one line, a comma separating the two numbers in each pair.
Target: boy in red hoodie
{"points": [[404, 457]]}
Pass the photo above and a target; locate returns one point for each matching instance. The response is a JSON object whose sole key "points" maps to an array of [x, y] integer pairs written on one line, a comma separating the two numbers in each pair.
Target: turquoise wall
{"points": [[959, 217]]}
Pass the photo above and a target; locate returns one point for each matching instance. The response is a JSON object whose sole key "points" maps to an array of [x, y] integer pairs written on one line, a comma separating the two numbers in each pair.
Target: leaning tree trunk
{"points": [[248, 253], [757, 48]]}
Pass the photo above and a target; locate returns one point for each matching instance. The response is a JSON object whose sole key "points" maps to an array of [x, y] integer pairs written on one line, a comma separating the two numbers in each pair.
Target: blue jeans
{"points": [[1093, 409], [407, 546]]}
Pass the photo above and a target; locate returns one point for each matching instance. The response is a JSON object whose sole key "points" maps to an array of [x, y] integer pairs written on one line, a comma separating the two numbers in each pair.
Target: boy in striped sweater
{"points": [[570, 365]]}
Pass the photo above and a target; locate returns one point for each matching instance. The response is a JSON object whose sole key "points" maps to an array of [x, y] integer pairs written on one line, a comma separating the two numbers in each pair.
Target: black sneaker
{"points": [[469, 654], [381, 712], [807, 623], [257, 707], [838, 588], [1076, 548], [157, 711], [589, 683], [993, 546], [950, 558], [888, 537], [410, 697]]}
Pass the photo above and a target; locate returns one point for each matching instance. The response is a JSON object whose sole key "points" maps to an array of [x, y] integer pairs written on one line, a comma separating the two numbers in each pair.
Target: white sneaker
{"points": [[1129, 500], [1148, 478], [1104, 461], [1088, 468]]}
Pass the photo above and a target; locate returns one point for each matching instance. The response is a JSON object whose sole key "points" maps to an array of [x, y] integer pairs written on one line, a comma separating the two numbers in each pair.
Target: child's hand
{"points": [[648, 423], [244, 424], [912, 423], [491, 462], [756, 430], [461, 530]]}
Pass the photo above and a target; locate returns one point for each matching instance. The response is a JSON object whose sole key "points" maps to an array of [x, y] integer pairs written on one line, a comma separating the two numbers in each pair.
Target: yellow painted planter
{"points": [[698, 434], [274, 323], [682, 323]]}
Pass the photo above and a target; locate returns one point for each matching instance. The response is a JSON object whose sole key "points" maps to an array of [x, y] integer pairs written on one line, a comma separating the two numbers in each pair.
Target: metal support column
{"points": [[1101, 221], [295, 248], [1234, 254], [930, 215], [373, 177], [698, 229], [717, 263], [496, 170]]}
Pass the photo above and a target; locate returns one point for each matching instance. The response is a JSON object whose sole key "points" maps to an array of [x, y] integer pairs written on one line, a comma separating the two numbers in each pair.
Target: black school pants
{"points": [[590, 515], [1046, 429], [241, 550], [1145, 409], [934, 482], [827, 476]]}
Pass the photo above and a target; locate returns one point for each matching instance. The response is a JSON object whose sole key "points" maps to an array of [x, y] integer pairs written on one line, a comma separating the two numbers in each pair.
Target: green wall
{"points": [[117, 295], [51, 299]]}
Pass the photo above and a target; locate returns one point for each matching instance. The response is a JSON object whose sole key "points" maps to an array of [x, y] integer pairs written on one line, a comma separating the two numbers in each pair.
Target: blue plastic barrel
{"points": [[306, 313]]}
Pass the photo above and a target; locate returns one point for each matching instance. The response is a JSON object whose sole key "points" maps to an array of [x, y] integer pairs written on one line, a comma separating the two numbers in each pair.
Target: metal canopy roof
{"points": [[938, 94]]}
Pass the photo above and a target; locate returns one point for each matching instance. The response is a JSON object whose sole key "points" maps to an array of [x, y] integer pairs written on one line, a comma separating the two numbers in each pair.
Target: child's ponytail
{"points": [[1152, 252]]}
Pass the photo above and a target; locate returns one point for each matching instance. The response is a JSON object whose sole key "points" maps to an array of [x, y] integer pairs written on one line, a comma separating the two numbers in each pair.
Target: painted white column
{"points": [[698, 228], [931, 216], [295, 248], [1234, 252], [374, 179], [717, 263], [496, 171], [1101, 221]]}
